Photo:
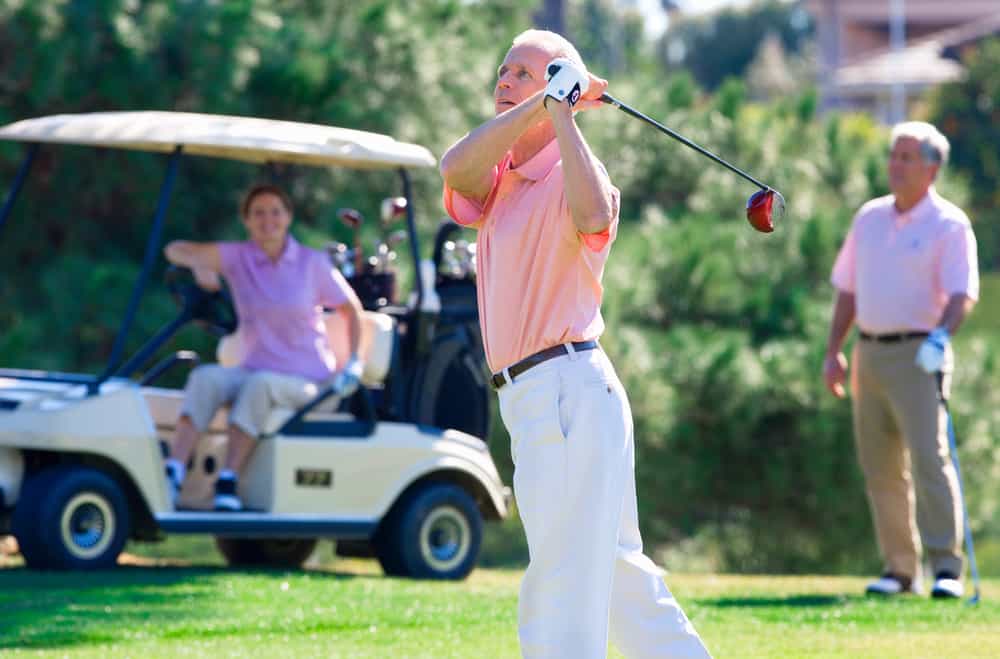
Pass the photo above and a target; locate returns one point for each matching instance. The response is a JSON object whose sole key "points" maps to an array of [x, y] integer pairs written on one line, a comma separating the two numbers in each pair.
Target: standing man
{"points": [[547, 214], [907, 273]]}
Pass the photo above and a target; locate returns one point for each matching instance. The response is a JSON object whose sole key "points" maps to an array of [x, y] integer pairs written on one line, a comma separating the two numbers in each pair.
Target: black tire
{"points": [[266, 552], [435, 533], [450, 389], [354, 549], [71, 518]]}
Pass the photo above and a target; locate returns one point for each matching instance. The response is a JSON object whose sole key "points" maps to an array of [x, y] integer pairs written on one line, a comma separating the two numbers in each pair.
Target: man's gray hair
{"points": [[934, 147], [555, 43]]}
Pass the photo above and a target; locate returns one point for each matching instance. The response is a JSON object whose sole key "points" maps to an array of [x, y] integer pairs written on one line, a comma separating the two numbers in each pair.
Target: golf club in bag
{"points": [[764, 207], [953, 449]]}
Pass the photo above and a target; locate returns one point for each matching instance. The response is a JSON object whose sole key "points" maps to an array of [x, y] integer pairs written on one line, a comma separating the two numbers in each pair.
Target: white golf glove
{"points": [[930, 356], [567, 81], [348, 379]]}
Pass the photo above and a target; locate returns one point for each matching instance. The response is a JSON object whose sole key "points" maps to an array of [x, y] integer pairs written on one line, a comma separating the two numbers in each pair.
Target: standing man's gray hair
{"points": [[556, 44], [934, 147]]}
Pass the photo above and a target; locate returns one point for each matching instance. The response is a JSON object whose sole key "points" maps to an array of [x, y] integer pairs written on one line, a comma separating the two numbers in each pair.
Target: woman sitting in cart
{"points": [[279, 288]]}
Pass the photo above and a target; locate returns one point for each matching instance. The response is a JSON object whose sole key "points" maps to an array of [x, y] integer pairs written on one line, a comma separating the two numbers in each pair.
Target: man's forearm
{"points": [[591, 203], [843, 318], [955, 311], [466, 165]]}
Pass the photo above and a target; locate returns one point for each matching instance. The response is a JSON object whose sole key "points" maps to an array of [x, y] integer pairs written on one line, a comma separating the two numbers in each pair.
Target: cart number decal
{"points": [[314, 477]]}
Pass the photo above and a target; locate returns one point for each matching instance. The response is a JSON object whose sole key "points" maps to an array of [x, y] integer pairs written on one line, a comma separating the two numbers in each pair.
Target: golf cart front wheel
{"points": [[434, 534], [265, 552], [71, 518]]}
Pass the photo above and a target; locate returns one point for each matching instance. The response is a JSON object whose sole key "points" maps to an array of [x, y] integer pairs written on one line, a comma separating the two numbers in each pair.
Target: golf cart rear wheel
{"points": [[450, 389], [434, 534], [71, 518], [266, 552]]}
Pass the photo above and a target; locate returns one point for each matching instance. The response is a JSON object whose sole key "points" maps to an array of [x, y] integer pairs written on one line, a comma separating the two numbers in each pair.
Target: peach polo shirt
{"points": [[903, 267], [538, 278]]}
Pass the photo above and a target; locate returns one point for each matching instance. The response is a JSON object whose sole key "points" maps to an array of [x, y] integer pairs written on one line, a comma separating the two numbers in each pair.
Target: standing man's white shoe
{"points": [[947, 586], [892, 584]]}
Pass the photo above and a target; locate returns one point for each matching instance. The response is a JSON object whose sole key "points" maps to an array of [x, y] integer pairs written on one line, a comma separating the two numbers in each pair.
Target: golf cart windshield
{"points": [[245, 139]]}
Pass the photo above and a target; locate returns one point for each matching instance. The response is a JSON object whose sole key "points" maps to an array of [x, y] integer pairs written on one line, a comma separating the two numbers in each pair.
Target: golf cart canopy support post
{"points": [[150, 347], [411, 226], [15, 188], [152, 250]]}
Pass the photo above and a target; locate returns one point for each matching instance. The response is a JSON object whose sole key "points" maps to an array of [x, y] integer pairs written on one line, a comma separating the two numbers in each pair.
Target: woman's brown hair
{"points": [[264, 188]]}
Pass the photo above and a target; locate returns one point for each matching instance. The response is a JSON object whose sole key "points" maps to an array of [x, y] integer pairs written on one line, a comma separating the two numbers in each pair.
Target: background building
{"points": [[879, 55]]}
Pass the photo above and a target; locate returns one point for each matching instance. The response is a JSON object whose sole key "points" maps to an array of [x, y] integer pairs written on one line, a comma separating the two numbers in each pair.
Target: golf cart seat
{"points": [[376, 352], [375, 349]]}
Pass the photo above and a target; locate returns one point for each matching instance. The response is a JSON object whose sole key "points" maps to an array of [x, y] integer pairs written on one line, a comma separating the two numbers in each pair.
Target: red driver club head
{"points": [[765, 207], [350, 217]]}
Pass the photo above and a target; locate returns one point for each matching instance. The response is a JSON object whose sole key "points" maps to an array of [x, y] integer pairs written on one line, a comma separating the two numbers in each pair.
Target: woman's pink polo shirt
{"points": [[538, 278], [280, 306]]}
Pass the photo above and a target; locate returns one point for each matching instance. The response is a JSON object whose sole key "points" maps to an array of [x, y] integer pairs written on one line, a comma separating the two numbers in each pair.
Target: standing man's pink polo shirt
{"points": [[538, 278], [903, 267], [279, 305]]}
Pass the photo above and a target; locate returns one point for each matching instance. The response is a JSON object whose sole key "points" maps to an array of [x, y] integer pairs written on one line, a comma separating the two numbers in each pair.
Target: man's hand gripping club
{"points": [[567, 80]]}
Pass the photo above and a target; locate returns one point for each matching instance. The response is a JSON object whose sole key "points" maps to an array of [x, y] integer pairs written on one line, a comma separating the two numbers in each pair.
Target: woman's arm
{"points": [[197, 256], [203, 259]]}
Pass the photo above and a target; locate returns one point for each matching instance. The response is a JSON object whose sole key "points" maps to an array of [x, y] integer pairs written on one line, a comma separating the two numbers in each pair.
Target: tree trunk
{"points": [[552, 16]]}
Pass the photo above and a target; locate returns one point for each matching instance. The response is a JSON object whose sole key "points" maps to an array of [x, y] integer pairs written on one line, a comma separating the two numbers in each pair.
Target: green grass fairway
{"points": [[350, 610]]}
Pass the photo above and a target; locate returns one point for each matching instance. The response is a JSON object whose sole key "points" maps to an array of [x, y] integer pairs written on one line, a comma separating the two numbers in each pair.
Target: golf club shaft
{"points": [[611, 100], [953, 447]]}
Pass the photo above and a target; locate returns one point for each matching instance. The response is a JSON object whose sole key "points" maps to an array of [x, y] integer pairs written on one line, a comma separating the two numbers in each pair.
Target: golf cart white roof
{"points": [[235, 138]]}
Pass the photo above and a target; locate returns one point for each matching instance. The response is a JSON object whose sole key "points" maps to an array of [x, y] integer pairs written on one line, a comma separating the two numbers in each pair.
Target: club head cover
{"points": [[567, 81]]}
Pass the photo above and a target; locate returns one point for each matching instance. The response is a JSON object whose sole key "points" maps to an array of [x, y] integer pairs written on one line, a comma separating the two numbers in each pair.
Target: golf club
{"points": [[339, 255], [763, 207], [953, 448], [392, 209], [352, 218]]}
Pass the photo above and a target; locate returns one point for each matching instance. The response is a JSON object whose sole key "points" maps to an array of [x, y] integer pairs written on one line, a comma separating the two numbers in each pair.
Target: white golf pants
{"points": [[574, 481]]}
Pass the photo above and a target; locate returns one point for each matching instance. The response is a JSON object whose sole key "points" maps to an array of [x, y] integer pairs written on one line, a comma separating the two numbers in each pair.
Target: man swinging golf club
{"points": [[907, 273], [547, 214]]}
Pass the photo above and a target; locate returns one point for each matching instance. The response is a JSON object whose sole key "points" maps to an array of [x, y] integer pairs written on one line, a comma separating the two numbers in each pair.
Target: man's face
{"points": [[909, 174], [521, 74]]}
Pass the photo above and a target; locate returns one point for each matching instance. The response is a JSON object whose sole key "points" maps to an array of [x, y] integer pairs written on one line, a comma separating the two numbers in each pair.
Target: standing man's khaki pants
{"points": [[901, 433]]}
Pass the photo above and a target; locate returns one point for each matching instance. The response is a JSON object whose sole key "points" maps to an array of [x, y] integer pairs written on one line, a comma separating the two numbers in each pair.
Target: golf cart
{"points": [[400, 470]]}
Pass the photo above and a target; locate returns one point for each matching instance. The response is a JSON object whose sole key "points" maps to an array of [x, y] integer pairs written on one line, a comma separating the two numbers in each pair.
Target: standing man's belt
{"points": [[516, 369], [892, 338]]}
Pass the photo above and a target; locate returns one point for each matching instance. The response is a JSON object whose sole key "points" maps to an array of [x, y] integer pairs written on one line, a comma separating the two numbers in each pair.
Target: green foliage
{"points": [[723, 44], [968, 112]]}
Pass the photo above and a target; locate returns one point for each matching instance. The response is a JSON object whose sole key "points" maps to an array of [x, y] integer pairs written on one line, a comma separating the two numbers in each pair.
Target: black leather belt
{"points": [[498, 380], [892, 338]]}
